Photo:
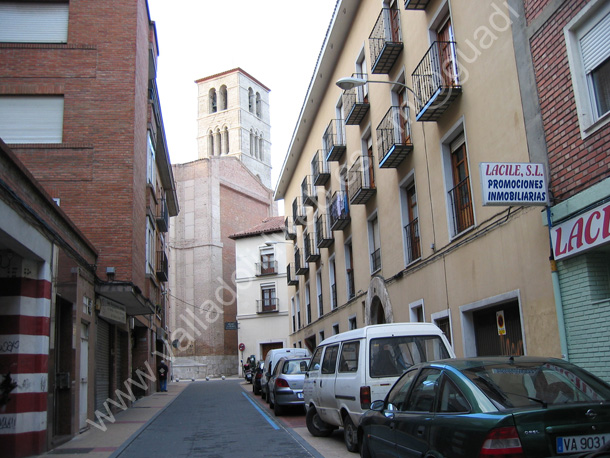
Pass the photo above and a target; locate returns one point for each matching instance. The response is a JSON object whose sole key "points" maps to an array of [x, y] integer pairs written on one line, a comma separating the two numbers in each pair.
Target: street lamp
{"points": [[351, 82]]}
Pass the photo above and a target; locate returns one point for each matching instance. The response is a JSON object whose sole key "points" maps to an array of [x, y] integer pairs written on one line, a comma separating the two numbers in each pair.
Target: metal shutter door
{"points": [[102, 365]]}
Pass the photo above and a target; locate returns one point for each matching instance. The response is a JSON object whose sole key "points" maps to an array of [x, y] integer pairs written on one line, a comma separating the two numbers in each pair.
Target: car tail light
{"points": [[281, 383], [365, 397], [258, 375], [502, 442]]}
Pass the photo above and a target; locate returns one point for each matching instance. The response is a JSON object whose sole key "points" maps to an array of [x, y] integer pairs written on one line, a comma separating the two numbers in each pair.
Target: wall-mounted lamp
{"points": [[110, 271]]}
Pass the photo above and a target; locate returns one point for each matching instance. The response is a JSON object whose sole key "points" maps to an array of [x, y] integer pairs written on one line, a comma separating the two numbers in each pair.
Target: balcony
{"points": [[308, 194], [290, 231], [435, 81], [300, 267], [163, 216], [339, 211], [356, 103], [312, 252], [334, 140], [270, 305], [299, 213], [291, 275], [361, 180], [385, 41], [320, 169], [461, 206], [266, 268], [412, 241], [416, 4], [324, 236], [162, 266], [394, 137]]}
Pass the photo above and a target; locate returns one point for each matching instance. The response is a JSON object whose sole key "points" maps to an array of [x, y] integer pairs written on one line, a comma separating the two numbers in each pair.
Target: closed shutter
{"points": [[102, 365], [595, 45], [31, 119], [25, 22]]}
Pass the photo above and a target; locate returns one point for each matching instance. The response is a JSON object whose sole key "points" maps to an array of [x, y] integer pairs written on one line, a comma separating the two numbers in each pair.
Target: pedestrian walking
{"points": [[162, 371]]}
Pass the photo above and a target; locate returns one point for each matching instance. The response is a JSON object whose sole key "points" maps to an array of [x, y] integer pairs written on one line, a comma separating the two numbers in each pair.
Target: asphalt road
{"points": [[217, 420]]}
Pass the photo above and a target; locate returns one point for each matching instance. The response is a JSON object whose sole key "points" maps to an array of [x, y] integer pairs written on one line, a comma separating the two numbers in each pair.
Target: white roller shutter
{"points": [[595, 44], [31, 119], [25, 22]]}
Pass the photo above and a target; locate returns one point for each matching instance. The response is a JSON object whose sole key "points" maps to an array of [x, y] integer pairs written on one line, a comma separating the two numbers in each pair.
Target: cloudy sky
{"points": [[276, 41]]}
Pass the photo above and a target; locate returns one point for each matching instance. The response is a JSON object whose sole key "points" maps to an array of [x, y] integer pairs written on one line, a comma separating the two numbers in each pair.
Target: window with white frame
{"points": [[31, 119], [335, 328], [151, 165], [150, 247], [333, 283], [267, 264], [352, 323], [416, 312], [374, 244], [319, 292], [307, 304], [588, 47], [30, 22], [268, 299]]}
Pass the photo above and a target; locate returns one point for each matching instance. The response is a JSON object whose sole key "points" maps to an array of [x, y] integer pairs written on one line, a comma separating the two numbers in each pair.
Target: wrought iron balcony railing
{"points": [[436, 82], [334, 140], [308, 192], [324, 236], [385, 41], [299, 213], [312, 252], [351, 286], [361, 180], [162, 270], [339, 211], [269, 305], [290, 231], [266, 268], [416, 4], [320, 305], [320, 169], [376, 260], [163, 216], [300, 267], [291, 276], [412, 241], [461, 206], [333, 296], [394, 137], [356, 102]]}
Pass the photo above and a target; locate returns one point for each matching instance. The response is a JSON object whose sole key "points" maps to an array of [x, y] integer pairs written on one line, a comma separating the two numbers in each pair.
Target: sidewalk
{"points": [[96, 443]]}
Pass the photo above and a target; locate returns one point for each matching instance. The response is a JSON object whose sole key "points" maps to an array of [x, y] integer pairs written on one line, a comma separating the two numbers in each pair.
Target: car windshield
{"points": [[536, 384], [298, 366], [391, 356]]}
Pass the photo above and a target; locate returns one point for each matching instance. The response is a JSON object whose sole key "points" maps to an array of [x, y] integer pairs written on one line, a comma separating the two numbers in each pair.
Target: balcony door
{"points": [[446, 51], [395, 22], [403, 103], [269, 298], [462, 201]]}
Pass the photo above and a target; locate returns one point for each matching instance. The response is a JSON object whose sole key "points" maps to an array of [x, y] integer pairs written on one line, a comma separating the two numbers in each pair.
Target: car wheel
{"points": [[350, 434], [365, 452], [315, 425], [255, 389], [278, 409]]}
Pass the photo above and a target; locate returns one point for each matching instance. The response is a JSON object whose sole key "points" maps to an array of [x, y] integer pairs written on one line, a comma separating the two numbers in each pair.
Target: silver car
{"points": [[286, 383]]}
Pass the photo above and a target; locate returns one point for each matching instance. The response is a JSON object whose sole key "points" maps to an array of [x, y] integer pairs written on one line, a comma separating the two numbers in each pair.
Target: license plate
{"points": [[300, 395], [571, 444]]}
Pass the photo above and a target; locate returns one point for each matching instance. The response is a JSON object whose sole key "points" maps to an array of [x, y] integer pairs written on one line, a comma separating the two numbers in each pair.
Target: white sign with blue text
{"points": [[513, 183]]}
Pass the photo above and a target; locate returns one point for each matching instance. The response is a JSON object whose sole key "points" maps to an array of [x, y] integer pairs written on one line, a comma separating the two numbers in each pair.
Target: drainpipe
{"points": [[557, 293]]}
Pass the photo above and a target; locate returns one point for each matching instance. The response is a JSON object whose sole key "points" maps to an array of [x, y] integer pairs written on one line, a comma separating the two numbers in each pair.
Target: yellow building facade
{"points": [[383, 189]]}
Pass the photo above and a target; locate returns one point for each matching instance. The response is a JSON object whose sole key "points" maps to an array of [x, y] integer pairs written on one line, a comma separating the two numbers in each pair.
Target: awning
{"points": [[128, 295]]}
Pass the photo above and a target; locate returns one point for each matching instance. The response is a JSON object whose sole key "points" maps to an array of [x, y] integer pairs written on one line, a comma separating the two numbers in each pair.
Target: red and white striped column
{"points": [[25, 303]]}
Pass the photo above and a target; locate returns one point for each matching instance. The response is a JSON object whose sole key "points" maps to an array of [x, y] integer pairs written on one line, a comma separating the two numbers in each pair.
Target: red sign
{"points": [[582, 233], [242, 347]]}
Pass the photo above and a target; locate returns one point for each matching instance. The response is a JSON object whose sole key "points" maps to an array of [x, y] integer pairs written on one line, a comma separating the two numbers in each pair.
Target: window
{"points": [[299, 324], [374, 244], [28, 22], [314, 365], [151, 166], [352, 323], [213, 103], [225, 141], [451, 399], [319, 291], [268, 299], [416, 311], [335, 329], [31, 119], [307, 304], [224, 101], [250, 100], [349, 271], [293, 310], [150, 247], [267, 264], [397, 396], [458, 182], [333, 283], [410, 222], [210, 143], [329, 362], [259, 107], [348, 362], [588, 46], [424, 392]]}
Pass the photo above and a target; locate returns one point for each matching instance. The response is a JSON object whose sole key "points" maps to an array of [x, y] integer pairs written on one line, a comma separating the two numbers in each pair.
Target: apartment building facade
{"points": [[390, 217], [80, 109], [262, 289], [563, 75]]}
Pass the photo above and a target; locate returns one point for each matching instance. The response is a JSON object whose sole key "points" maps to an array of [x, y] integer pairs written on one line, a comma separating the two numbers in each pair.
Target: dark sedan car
{"points": [[501, 407]]}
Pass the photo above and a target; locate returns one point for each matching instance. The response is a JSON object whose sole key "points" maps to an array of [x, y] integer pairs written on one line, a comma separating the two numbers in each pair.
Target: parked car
{"points": [[349, 369], [271, 359], [498, 406], [286, 383], [257, 376]]}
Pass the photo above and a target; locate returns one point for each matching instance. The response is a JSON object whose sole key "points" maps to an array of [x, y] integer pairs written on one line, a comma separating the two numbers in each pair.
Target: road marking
{"points": [[265, 416]]}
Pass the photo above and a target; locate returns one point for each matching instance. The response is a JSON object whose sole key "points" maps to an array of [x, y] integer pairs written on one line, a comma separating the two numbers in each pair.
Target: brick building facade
{"points": [[79, 107], [566, 91]]}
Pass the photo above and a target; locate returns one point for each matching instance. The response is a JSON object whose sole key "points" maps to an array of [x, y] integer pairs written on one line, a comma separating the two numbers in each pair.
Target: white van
{"points": [[273, 356], [349, 370]]}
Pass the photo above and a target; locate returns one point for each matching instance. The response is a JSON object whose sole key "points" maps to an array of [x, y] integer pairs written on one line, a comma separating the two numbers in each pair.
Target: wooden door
{"points": [[446, 53]]}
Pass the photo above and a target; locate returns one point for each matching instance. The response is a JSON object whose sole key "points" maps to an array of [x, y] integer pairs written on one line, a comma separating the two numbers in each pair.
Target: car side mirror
{"points": [[378, 405]]}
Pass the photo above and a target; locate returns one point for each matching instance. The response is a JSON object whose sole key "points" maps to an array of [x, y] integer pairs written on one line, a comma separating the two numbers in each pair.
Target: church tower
{"points": [[233, 120]]}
